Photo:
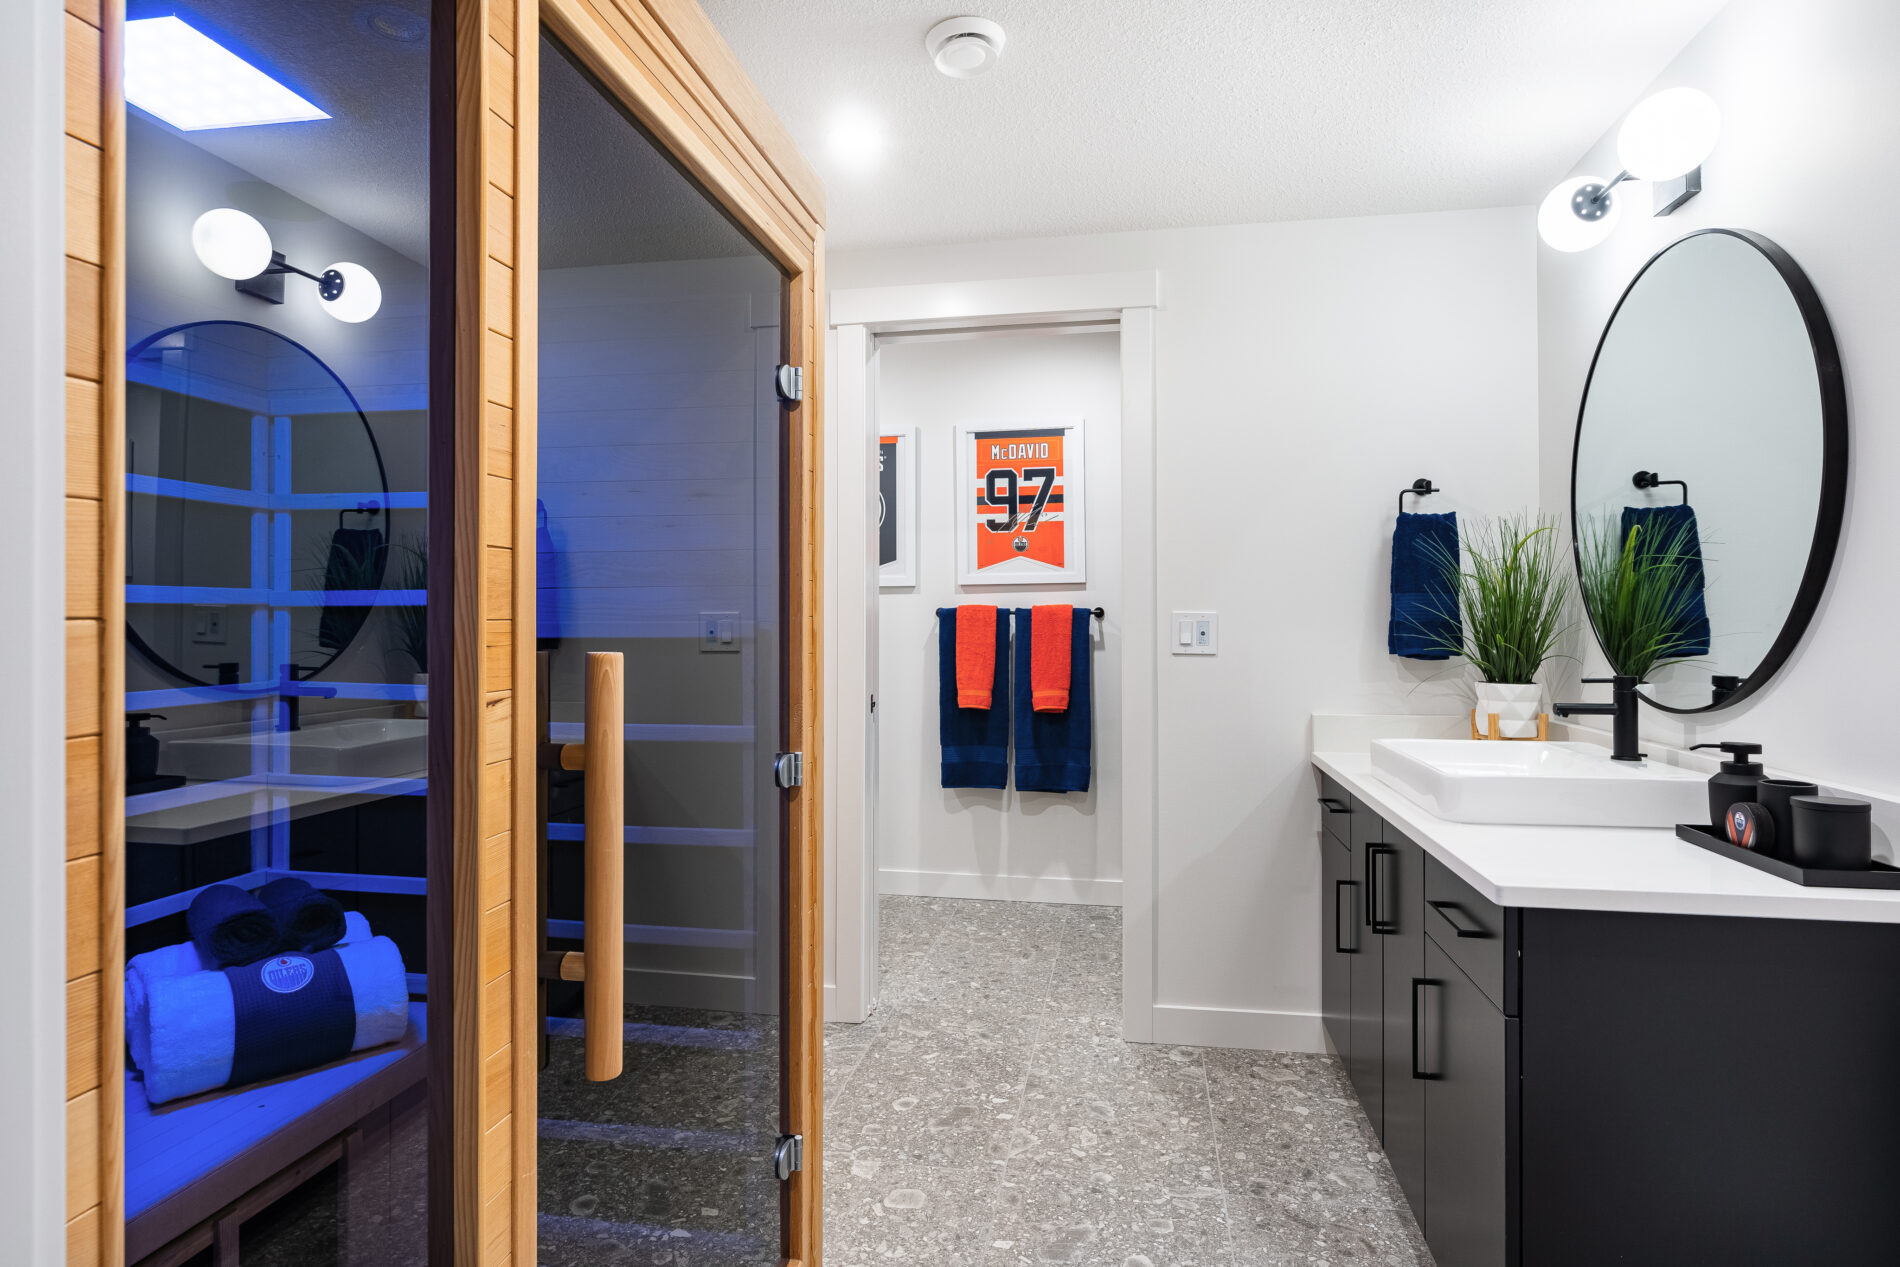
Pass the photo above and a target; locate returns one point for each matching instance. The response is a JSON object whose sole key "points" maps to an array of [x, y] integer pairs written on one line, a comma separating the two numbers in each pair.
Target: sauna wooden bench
{"points": [[207, 1163]]}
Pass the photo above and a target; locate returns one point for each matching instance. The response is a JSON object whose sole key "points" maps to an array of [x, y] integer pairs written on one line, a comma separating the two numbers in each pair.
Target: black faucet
{"points": [[291, 687], [1622, 707]]}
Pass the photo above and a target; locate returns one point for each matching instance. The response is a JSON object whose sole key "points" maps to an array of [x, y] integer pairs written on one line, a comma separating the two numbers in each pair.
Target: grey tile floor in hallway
{"points": [[989, 1113]]}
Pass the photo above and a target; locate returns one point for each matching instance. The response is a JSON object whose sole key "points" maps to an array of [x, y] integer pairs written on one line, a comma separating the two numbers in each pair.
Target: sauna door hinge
{"points": [[788, 770], [790, 382], [788, 1157]]}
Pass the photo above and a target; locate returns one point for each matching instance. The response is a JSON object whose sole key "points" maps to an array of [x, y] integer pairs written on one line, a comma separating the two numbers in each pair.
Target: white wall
{"points": [[1810, 157], [1304, 373], [32, 638], [973, 842]]}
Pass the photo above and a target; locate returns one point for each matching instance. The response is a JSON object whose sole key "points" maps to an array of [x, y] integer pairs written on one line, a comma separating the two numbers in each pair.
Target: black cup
{"points": [[1832, 833], [1774, 793]]}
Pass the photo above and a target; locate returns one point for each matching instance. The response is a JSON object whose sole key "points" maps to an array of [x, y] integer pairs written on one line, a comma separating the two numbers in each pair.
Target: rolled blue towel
{"points": [[200, 1031], [1425, 623], [308, 919], [230, 926]]}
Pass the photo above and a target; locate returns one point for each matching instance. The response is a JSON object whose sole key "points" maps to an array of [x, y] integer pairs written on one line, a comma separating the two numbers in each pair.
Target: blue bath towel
{"points": [[230, 926], [975, 740], [308, 919], [1425, 624], [1052, 749], [1674, 529]]}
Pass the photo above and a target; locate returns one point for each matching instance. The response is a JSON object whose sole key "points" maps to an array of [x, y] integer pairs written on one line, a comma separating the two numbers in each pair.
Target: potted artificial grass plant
{"points": [[1512, 594], [1641, 594]]}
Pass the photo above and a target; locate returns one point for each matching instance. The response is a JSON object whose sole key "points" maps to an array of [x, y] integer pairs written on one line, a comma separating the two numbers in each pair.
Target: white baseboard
{"points": [[1238, 1027], [1004, 888]]}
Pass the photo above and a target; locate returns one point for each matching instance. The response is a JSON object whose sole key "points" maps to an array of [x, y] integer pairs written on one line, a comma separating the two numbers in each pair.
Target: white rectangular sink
{"points": [[1547, 784], [367, 747]]}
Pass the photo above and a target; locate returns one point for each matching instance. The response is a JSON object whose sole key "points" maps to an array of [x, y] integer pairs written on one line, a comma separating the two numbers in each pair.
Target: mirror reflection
{"points": [[1699, 488]]}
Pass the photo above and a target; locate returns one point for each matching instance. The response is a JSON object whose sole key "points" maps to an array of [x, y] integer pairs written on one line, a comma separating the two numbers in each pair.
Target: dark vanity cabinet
{"points": [[1567, 1088], [1364, 1053], [1397, 866], [1413, 983]]}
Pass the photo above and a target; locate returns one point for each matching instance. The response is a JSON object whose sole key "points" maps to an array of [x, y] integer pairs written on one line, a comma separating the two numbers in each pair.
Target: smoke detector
{"points": [[964, 48]]}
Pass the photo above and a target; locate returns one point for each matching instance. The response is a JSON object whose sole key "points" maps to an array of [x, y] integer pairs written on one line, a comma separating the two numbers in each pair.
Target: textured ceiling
{"points": [[1133, 114]]}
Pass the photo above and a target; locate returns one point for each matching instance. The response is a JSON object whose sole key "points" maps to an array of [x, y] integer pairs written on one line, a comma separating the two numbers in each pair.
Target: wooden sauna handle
{"points": [[604, 849]]}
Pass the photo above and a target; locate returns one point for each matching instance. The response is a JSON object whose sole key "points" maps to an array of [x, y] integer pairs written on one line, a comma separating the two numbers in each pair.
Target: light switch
{"points": [[1196, 633], [719, 631]]}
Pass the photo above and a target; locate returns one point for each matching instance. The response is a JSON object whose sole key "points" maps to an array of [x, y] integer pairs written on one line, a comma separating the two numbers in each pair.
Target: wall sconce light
{"points": [[234, 245], [1665, 140]]}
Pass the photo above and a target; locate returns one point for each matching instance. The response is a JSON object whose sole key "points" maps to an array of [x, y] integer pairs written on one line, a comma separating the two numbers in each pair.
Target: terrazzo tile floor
{"points": [[989, 1113]]}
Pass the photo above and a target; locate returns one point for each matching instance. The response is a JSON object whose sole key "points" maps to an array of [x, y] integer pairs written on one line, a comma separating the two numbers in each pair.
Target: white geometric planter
{"points": [[1517, 707]]}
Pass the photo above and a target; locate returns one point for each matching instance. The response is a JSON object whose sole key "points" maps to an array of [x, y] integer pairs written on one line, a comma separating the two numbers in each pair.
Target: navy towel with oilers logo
{"points": [[293, 1012]]}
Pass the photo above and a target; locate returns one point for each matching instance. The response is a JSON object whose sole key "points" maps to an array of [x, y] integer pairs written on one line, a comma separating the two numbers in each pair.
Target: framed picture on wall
{"points": [[897, 507], [1021, 498]]}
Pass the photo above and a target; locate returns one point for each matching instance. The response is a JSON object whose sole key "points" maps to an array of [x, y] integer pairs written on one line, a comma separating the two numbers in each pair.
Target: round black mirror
{"points": [[258, 507], [1710, 470]]}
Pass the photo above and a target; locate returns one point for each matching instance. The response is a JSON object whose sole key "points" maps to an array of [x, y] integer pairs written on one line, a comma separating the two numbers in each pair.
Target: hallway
{"points": [[990, 1113]]}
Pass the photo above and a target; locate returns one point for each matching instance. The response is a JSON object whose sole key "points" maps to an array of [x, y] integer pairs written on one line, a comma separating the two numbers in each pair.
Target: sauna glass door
{"points": [[279, 413], [659, 569]]}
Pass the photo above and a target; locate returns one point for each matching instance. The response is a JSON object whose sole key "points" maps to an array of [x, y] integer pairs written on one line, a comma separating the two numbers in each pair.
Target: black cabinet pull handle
{"points": [[1460, 922], [1334, 805], [1340, 920], [1418, 1031], [1378, 893]]}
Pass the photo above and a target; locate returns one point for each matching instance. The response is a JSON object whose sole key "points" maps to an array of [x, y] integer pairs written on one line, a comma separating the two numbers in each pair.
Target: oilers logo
{"points": [[286, 974], [1019, 544]]}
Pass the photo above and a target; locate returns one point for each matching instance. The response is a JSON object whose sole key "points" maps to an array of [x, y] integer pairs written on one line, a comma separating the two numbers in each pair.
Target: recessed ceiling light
{"points": [[192, 82], [856, 138], [393, 23], [963, 48]]}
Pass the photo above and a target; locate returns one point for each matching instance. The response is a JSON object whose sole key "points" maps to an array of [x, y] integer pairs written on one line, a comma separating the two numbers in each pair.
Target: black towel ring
{"points": [[1420, 487], [1649, 479]]}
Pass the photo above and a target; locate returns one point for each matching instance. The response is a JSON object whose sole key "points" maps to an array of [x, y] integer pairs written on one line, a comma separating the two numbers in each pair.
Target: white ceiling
{"points": [[1133, 114]]}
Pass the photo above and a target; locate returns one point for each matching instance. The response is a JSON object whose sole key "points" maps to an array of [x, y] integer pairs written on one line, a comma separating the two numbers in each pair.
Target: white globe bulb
{"points": [[1669, 134], [230, 243], [1559, 223], [362, 293]]}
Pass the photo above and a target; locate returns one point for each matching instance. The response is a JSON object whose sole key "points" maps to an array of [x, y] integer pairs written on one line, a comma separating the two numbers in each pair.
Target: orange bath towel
{"points": [[1049, 636], [976, 655]]}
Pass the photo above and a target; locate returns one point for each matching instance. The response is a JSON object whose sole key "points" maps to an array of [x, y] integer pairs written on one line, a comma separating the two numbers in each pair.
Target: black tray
{"points": [[1881, 876]]}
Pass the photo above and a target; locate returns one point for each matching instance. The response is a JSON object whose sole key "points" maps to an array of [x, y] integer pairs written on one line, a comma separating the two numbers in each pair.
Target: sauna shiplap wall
{"points": [[657, 446], [95, 942]]}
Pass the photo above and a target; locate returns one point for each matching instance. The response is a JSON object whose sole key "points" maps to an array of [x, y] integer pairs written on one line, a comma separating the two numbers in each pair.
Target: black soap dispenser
{"points": [[1738, 780], [141, 749]]}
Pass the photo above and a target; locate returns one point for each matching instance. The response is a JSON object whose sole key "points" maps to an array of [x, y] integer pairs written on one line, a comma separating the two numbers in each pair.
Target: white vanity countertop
{"points": [[1601, 868]]}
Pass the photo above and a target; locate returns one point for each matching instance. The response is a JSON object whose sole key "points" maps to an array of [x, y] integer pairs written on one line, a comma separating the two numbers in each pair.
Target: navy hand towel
{"points": [[231, 927], [975, 740], [1671, 531], [356, 562], [1425, 624], [309, 920], [1052, 749]]}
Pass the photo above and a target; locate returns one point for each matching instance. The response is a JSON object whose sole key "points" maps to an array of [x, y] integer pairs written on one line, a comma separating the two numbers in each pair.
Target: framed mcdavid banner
{"points": [[1020, 503], [897, 507]]}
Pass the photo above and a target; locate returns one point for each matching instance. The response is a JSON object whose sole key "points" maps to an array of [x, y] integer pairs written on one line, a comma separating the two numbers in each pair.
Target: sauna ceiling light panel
{"points": [[192, 82]]}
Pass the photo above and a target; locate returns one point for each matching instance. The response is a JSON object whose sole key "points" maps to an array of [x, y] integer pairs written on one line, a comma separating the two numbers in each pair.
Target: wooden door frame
{"points": [[668, 66]]}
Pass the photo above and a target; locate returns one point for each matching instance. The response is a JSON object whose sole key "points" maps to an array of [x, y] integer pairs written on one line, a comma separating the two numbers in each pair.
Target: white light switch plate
{"points": [[1194, 633], [719, 631]]}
